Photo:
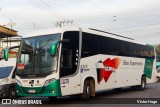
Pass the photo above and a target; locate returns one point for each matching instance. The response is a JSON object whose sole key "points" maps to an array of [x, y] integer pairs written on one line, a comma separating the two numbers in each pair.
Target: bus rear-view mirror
{"points": [[53, 49], [6, 54]]}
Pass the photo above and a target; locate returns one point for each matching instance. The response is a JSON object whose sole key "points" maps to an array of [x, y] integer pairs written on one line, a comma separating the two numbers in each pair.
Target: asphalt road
{"points": [[127, 97]]}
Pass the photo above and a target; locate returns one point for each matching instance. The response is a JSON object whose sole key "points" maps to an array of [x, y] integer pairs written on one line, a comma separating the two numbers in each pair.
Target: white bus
{"points": [[81, 61]]}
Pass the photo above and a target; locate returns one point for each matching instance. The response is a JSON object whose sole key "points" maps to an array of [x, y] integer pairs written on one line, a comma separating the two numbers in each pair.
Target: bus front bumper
{"points": [[53, 89]]}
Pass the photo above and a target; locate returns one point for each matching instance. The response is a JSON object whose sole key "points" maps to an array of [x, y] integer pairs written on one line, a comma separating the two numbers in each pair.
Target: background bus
{"points": [[158, 67], [158, 61], [82, 61]]}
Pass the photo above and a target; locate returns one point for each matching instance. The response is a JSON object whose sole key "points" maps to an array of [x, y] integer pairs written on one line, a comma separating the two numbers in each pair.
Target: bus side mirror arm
{"points": [[53, 47], [64, 41]]}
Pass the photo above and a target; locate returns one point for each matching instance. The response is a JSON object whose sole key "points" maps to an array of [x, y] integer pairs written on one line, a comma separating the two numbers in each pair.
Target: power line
{"points": [[8, 16], [42, 7], [128, 27], [16, 16], [18, 21], [119, 15], [52, 9], [115, 19]]}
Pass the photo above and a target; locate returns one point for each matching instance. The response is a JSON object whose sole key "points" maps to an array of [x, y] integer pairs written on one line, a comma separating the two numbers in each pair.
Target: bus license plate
{"points": [[32, 91]]}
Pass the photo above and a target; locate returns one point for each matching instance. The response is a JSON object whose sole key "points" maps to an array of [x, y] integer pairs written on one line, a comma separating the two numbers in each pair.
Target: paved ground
{"points": [[126, 97]]}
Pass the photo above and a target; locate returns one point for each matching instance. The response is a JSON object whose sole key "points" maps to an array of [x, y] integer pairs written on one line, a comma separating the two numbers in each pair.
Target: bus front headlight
{"points": [[49, 81]]}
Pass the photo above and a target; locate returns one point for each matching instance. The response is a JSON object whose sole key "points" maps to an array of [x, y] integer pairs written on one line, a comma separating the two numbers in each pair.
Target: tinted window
{"points": [[151, 52], [95, 44], [90, 45], [69, 53]]}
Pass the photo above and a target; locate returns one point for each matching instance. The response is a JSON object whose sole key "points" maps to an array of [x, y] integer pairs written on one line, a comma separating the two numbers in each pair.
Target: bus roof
{"points": [[50, 31], [87, 30]]}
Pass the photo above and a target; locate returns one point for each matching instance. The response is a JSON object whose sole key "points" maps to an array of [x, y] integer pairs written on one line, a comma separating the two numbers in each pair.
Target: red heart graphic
{"points": [[105, 74], [112, 63]]}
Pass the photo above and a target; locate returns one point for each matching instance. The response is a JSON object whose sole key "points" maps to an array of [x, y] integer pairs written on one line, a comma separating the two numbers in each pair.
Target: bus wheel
{"points": [[143, 84], [88, 89], [52, 98], [158, 79], [12, 93]]}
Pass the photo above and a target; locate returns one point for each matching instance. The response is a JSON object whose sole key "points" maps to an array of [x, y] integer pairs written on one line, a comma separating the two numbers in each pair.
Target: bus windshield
{"points": [[34, 58], [5, 71]]}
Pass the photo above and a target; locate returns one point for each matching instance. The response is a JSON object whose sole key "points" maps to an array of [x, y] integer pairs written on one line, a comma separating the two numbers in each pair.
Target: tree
{"points": [[158, 49]]}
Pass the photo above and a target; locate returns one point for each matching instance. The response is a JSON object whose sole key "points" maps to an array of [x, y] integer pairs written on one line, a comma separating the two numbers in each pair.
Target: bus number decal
{"points": [[84, 68]]}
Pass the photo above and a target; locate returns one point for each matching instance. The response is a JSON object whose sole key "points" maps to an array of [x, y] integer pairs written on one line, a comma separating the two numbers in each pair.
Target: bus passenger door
{"points": [[69, 72]]}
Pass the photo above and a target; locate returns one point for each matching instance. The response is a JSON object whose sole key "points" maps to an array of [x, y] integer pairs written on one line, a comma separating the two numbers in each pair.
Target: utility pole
{"points": [[11, 24], [64, 22]]}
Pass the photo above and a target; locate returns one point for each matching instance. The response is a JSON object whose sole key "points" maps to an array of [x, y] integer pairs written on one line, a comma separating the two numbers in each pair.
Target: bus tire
{"points": [[12, 93], [158, 79], [142, 86], [88, 89]]}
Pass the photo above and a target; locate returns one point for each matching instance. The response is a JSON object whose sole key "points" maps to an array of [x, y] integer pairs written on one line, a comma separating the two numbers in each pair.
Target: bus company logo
{"points": [[6, 101], [109, 67], [22, 101]]}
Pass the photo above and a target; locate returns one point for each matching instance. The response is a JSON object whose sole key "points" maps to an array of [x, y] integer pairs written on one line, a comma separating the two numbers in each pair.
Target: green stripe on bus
{"points": [[148, 67]]}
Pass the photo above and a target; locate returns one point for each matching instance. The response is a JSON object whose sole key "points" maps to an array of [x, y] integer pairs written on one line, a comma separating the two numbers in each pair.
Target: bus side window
{"points": [[69, 54], [66, 58], [14, 73], [145, 53], [85, 49], [151, 52]]}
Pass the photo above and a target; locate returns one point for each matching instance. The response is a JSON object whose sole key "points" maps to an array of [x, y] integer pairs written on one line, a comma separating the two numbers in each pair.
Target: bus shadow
{"points": [[102, 97]]}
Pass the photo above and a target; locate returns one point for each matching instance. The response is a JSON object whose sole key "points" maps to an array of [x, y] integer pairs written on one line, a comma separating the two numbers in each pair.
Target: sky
{"points": [[137, 19]]}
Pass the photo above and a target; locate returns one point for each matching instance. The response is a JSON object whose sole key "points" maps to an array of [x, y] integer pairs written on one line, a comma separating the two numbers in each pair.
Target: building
{"points": [[8, 38]]}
